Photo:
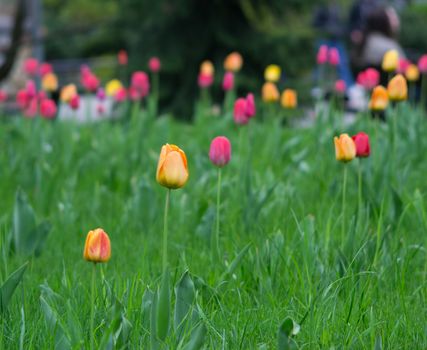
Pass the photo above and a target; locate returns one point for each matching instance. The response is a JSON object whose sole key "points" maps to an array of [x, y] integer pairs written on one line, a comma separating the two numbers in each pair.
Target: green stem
{"points": [[360, 184], [165, 232], [218, 203], [344, 186], [423, 91], [92, 309]]}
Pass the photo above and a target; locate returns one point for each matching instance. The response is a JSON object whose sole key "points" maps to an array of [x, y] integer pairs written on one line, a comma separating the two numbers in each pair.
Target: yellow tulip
{"points": [[112, 87], [207, 68], [379, 99], [233, 62], [412, 73], [272, 73], [97, 247], [345, 148], [289, 99], [270, 92], [390, 61], [68, 92], [172, 169], [397, 88], [50, 82]]}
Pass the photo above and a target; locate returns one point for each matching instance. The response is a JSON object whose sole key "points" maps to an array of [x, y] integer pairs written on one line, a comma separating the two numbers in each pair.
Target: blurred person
{"points": [[359, 13]]}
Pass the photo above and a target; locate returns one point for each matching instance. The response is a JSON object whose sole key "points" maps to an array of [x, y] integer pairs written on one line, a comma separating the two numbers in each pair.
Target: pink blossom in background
{"points": [[334, 56], [100, 109], [84, 70], [48, 108], [422, 64], [154, 64], [250, 105], [121, 95], [22, 98], [31, 89], [322, 55], [100, 94], [32, 108], [369, 78], [41, 95], [122, 57], [220, 151], [403, 65], [134, 94], [3, 96], [45, 68], [340, 86], [74, 102], [31, 66], [228, 81], [239, 112], [141, 83], [90, 82], [205, 80]]}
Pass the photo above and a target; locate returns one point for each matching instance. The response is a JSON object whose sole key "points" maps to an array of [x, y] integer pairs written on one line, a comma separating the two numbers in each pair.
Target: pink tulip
{"points": [[90, 82], [22, 99], [3, 96], [31, 110], [220, 151], [31, 66], [322, 54], [340, 86], [403, 65], [240, 116], [121, 95], [250, 105], [45, 68], [205, 80], [74, 102], [122, 57], [100, 94], [141, 83], [422, 64], [369, 78], [334, 56], [154, 64], [47, 108], [31, 89], [84, 70], [228, 81], [41, 95], [133, 93]]}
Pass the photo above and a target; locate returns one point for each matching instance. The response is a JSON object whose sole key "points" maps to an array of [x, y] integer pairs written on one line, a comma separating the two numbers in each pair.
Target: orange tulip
{"points": [[270, 92], [379, 99], [412, 73], [172, 169], [345, 148], [50, 82], [207, 68], [289, 99], [390, 61], [68, 92], [97, 246], [397, 88], [233, 62]]}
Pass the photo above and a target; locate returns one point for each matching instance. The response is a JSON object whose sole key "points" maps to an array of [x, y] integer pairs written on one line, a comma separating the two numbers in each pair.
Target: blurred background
{"points": [[183, 33]]}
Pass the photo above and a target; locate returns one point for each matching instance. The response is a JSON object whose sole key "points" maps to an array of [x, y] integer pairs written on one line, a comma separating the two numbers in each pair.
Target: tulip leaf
{"points": [[147, 303], [153, 323], [287, 329], [235, 263], [185, 296], [9, 286], [197, 338], [61, 340], [163, 307]]}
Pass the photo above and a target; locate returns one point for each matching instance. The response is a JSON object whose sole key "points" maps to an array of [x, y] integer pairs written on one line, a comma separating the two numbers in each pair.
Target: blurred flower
{"points": [[22, 98], [397, 88], [289, 99], [74, 102], [250, 105], [345, 148], [49, 82], [422, 64], [97, 246], [31, 66], [120, 95], [207, 68], [340, 87], [270, 92], [220, 151], [32, 108], [172, 169], [228, 81], [233, 62], [204, 80], [3, 96], [122, 57], [412, 73], [68, 92], [361, 140], [379, 99], [402, 65], [240, 111], [31, 89], [100, 109], [41, 95], [322, 54], [141, 83], [390, 61], [45, 68], [113, 86], [334, 56], [272, 73], [369, 78], [132, 92], [47, 108], [154, 64], [100, 94], [90, 82]]}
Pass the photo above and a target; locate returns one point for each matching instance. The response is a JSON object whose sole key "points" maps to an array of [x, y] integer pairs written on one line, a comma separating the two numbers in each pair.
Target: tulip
{"points": [[412, 73], [22, 98], [68, 92], [233, 62], [31, 89], [270, 92], [48, 108], [402, 65], [100, 109], [390, 61], [340, 87], [322, 54], [397, 88], [363, 149], [250, 105], [220, 151], [345, 148], [172, 169], [154, 64], [45, 68], [334, 56], [74, 102], [122, 57], [90, 82], [207, 68], [379, 99], [100, 94], [228, 81], [141, 83], [50, 82], [31, 66], [3, 96], [204, 80], [112, 87], [97, 246], [289, 99], [120, 95], [368, 78], [31, 110], [240, 111], [272, 73], [422, 64]]}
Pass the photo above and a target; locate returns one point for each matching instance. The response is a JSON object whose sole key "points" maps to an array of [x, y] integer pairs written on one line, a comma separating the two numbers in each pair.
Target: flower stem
{"points": [[92, 309], [165, 232], [218, 203], [344, 185], [360, 183]]}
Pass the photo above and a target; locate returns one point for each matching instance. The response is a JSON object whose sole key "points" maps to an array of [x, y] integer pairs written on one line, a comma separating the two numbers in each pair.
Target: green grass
{"points": [[281, 193]]}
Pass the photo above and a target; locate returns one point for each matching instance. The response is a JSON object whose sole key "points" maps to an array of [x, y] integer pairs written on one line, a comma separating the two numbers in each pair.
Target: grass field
{"points": [[352, 274]]}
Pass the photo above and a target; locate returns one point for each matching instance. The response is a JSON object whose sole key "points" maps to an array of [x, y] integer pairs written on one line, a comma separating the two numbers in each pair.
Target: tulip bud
{"points": [[397, 88], [233, 62], [220, 151], [272, 73], [141, 83], [369, 78], [67, 92], [97, 247], [361, 141], [334, 56], [289, 99], [31, 66], [422, 64], [250, 105], [74, 102], [204, 80], [228, 81], [345, 148], [412, 73], [240, 111], [122, 57], [45, 68], [50, 82], [112, 87], [340, 87], [379, 99], [207, 68], [100, 94], [48, 108], [154, 64], [322, 54], [390, 61], [120, 95], [270, 92], [172, 169]]}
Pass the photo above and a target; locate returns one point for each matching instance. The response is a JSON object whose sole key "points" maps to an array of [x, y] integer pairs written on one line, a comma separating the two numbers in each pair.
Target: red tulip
{"points": [[47, 108], [74, 102], [90, 82], [154, 64], [361, 141], [240, 108], [220, 151]]}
